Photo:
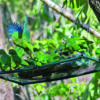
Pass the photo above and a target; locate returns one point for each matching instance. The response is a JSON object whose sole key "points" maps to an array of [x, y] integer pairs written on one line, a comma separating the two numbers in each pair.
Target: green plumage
{"points": [[16, 59], [25, 41], [15, 31], [5, 60]]}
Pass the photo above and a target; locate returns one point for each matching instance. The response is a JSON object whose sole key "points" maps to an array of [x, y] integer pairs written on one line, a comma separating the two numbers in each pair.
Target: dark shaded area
{"points": [[95, 5]]}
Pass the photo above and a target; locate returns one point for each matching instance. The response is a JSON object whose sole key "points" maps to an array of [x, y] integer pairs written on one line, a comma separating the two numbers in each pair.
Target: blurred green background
{"points": [[44, 24]]}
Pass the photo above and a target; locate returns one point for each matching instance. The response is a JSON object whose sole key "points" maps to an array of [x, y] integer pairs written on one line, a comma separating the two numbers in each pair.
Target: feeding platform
{"points": [[58, 70]]}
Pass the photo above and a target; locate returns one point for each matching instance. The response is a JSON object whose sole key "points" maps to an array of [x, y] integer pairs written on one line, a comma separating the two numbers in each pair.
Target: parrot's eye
{"points": [[10, 52]]}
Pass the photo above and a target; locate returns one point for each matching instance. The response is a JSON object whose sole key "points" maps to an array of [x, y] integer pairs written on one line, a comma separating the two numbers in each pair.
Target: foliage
{"points": [[58, 36], [61, 89]]}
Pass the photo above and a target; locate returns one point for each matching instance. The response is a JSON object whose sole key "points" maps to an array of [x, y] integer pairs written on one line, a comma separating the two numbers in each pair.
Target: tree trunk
{"points": [[2, 38], [6, 91]]}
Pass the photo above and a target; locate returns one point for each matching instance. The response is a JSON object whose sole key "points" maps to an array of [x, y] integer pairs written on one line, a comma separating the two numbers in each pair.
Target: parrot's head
{"points": [[14, 27], [12, 52]]}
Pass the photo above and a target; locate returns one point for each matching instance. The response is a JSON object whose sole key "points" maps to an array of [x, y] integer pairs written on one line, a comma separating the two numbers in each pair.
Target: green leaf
{"points": [[98, 51], [26, 32]]}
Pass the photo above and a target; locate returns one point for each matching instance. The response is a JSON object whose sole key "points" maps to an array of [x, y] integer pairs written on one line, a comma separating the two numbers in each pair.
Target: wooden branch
{"points": [[70, 17], [2, 37]]}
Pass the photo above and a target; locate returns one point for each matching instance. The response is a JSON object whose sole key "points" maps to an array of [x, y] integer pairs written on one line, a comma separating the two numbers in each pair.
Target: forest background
{"points": [[52, 28]]}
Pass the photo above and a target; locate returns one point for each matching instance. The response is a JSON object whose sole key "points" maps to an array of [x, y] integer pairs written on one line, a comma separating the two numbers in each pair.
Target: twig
{"points": [[70, 17]]}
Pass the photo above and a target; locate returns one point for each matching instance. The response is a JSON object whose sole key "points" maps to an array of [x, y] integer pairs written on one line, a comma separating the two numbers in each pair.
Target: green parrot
{"points": [[16, 59], [5, 60], [25, 41], [17, 32]]}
